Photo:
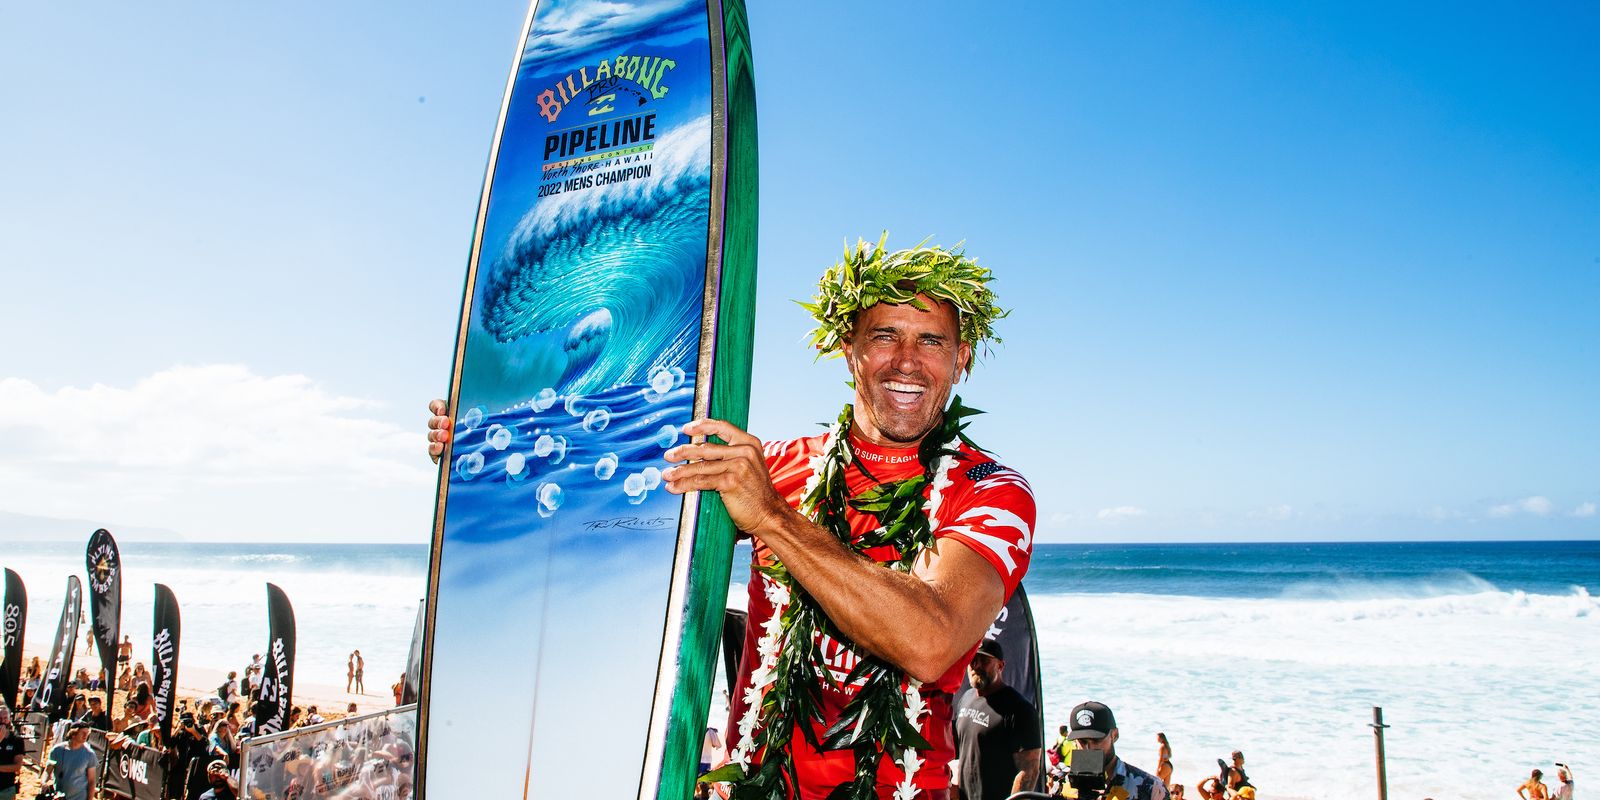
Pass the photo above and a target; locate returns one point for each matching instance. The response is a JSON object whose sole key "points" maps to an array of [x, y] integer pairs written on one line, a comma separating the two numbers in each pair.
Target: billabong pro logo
{"points": [[102, 568], [603, 87], [1085, 718]]}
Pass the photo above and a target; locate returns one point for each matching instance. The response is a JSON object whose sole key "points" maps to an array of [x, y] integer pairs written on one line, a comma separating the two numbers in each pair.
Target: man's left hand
{"points": [[736, 470]]}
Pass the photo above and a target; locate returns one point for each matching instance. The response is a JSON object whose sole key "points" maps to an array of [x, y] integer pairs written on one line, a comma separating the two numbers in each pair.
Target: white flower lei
{"points": [[771, 641]]}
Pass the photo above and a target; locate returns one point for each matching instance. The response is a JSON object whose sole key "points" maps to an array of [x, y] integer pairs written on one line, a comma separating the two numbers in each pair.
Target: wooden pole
{"points": [[1377, 733]]}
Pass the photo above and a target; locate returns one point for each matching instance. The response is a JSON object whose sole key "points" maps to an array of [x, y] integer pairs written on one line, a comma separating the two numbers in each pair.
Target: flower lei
{"points": [[785, 692]]}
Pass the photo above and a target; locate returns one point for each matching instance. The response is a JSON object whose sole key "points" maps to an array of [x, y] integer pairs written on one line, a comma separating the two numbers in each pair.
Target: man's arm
{"points": [[1027, 762], [951, 589]]}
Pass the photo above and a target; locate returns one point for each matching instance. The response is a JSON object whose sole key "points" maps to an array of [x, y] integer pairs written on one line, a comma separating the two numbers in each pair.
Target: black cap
{"points": [[991, 648], [81, 724], [1091, 720]]}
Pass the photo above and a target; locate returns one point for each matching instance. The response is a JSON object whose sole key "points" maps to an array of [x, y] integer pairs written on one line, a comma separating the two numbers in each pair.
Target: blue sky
{"points": [[1277, 272]]}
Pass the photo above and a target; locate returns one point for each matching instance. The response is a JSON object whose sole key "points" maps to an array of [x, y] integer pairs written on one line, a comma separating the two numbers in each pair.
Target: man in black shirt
{"points": [[97, 716], [11, 751], [997, 732]]}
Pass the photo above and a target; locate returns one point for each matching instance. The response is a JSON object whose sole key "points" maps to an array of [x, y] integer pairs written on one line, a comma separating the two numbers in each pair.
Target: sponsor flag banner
{"points": [[104, 564], [164, 657], [277, 680], [413, 680], [52, 695], [135, 772], [14, 618], [366, 756]]}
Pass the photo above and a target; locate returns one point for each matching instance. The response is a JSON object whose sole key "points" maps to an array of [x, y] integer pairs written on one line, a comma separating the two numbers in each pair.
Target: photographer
{"points": [[1095, 769], [186, 777]]}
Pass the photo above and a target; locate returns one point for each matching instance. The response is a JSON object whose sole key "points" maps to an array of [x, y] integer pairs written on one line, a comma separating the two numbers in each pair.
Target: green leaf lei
{"points": [[881, 718]]}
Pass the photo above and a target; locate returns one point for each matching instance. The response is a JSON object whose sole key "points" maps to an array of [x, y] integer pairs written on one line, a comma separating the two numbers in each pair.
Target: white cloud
{"points": [[165, 447], [1277, 513], [1121, 512], [1536, 505], [1584, 510]]}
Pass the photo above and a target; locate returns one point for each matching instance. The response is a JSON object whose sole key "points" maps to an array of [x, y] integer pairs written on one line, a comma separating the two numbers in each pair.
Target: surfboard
{"points": [[574, 605]]}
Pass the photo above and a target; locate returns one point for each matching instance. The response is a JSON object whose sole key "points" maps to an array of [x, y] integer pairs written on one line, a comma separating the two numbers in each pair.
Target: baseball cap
{"points": [[80, 724], [216, 765], [1091, 720], [991, 648]]}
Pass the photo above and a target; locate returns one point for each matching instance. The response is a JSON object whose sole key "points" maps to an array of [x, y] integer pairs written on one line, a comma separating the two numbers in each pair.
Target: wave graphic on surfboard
{"points": [[610, 271]]}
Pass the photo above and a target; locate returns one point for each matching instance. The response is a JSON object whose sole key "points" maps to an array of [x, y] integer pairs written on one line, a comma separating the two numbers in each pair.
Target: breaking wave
{"points": [[614, 269]]}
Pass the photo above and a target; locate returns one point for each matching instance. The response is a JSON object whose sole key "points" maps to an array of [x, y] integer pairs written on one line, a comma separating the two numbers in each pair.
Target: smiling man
{"points": [[882, 549]]}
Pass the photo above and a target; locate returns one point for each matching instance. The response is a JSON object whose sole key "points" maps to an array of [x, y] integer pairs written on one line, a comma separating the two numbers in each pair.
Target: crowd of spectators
{"points": [[200, 760]]}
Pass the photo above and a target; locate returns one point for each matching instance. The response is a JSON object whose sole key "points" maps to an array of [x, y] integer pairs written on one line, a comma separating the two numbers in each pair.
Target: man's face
{"points": [[1105, 744], [984, 672], [77, 736], [904, 362]]}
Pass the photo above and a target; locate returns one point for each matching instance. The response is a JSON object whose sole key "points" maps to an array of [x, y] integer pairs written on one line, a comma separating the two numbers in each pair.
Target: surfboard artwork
{"points": [[608, 302]]}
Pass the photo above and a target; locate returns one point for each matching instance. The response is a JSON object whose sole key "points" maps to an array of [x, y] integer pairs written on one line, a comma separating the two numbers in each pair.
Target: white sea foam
{"points": [[339, 607], [1292, 680]]}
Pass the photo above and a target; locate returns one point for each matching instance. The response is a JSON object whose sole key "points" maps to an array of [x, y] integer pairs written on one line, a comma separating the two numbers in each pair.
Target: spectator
{"points": [[996, 731], [1095, 728], [11, 752], [73, 765], [97, 713], [222, 787], [1564, 774], [1533, 788], [228, 690]]}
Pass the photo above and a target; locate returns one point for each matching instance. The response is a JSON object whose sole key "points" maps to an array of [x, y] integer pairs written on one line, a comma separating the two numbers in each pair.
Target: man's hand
{"points": [[439, 428], [737, 471]]}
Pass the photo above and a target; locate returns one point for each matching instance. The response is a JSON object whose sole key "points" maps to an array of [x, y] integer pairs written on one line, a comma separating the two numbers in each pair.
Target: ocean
{"points": [[1480, 653]]}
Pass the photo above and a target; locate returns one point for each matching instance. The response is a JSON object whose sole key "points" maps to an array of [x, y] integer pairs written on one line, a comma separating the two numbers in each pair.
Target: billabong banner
{"points": [[136, 772], [164, 657], [52, 696], [104, 564], [277, 680], [14, 618]]}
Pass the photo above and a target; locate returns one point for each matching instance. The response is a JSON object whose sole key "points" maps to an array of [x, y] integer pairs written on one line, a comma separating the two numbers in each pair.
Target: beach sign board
{"points": [[574, 604]]}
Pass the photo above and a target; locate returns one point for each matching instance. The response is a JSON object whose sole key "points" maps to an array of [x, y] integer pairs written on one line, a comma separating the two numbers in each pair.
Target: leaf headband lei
{"points": [[785, 692], [868, 275]]}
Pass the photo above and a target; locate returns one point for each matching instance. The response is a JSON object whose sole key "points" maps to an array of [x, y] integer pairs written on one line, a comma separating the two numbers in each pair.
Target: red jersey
{"points": [[986, 507]]}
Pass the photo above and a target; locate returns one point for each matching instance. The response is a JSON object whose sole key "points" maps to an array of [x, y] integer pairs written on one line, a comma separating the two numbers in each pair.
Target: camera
{"points": [[1087, 773]]}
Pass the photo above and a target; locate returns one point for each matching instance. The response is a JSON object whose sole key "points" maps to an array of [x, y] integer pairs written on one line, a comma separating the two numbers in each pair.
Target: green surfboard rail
{"points": [[712, 559]]}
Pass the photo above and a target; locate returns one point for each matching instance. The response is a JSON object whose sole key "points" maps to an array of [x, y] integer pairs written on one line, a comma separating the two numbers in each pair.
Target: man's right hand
{"points": [[439, 428]]}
